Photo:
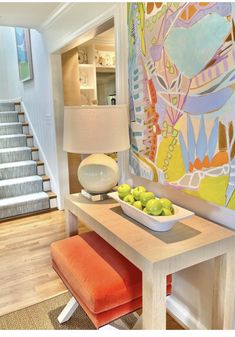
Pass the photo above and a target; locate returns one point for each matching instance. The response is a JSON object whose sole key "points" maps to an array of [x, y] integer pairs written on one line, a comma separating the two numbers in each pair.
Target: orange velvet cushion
{"points": [[96, 272]]}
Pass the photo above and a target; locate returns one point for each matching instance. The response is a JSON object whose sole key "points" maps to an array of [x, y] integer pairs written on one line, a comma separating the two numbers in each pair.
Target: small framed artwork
{"points": [[24, 54]]}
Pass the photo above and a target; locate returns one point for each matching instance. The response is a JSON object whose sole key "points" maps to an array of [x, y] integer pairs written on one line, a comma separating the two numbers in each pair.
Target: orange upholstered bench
{"points": [[101, 280]]}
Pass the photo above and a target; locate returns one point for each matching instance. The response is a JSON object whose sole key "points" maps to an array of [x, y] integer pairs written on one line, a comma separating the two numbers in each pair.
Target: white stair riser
{"points": [[25, 129], [18, 107], [40, 170], [18, 172], [29, 142], [53, 203], [21, 118], [35, 155], [17, 156], [46, 186], [10, 191], [11, 129]]}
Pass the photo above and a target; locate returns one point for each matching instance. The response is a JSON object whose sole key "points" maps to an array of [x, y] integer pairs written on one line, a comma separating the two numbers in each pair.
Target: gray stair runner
{"points": [[8, 116], [7, 107], [19, 186], [13, 141], [24, 204], [21, 189], [18, 169], [15, 154], [10, 128]]}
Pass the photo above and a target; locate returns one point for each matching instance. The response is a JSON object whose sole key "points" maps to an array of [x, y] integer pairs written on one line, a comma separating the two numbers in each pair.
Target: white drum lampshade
{"points": [[97, 130]]}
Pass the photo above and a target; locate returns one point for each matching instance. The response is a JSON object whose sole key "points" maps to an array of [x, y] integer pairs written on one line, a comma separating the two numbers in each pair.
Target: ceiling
{"points": [[26, 14], [107, 35]]}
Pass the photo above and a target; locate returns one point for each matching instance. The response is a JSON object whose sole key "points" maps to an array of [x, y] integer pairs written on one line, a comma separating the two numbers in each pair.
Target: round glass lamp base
{"points": [[98, 173]]}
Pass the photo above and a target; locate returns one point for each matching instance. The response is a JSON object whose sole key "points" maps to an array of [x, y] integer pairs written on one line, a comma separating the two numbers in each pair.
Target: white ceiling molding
{"points": [[26, 14], [55, 15], [87, 32]]}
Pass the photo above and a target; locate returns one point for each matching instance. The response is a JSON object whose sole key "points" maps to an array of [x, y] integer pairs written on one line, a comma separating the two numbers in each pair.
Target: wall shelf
{"points": [[86, 65], [105, 69], [101, 59], [87, 88]]}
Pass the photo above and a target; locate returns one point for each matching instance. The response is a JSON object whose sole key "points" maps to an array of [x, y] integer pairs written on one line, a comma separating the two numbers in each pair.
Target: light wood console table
{"points": [[158, 254]]}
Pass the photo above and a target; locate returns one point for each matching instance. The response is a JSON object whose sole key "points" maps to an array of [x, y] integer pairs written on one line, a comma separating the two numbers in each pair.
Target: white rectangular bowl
{"points": [[156, 223]]}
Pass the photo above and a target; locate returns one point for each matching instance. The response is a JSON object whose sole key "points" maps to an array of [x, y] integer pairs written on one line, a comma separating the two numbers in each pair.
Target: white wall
{"points": [[10, 87], [37, 97]]}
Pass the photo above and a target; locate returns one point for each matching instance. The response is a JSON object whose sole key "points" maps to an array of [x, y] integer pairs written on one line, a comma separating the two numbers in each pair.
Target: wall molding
{"points": [[55, 15], [67, 40], [183, 316], [38, 145]]}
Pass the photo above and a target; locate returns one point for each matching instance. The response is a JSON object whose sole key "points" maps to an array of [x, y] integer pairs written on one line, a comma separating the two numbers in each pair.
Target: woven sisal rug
{"points": [[43, 316]]}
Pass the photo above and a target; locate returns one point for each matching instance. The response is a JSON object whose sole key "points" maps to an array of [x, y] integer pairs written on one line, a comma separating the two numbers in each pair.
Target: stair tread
{"points": [[39, 162], [17, 163], [12, 149], [26, 172], [51, 195], [23, 198], [8, 112], [16, 135], [20, 180], [11, 123]]}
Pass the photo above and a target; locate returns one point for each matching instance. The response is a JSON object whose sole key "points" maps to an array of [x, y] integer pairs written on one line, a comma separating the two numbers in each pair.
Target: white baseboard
{"points": [[182, 316], [41, 152]]}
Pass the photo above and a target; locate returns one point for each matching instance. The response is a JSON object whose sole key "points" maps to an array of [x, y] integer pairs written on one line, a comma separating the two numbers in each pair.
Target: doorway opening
{"points": [[88, 70]]}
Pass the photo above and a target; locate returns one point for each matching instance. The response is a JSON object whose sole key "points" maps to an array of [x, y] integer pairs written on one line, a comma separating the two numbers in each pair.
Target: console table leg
{"points": [[223, 292], [154, 300], [71, 222]]}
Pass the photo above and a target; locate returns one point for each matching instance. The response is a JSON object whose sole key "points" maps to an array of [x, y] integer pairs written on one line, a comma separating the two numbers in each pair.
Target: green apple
{"points": [[145, 197], [166, 212], [154, 207], [129, 199], [137, 191], [166, 203], [137, 204], [145, 210], [123, 190]]}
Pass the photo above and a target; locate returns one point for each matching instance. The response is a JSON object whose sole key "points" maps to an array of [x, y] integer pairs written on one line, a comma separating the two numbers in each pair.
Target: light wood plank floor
{"points": [[26, 275]]}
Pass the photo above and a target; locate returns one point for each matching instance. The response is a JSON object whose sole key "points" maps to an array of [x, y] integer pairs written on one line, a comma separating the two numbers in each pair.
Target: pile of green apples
{"points": [[145, 201]]}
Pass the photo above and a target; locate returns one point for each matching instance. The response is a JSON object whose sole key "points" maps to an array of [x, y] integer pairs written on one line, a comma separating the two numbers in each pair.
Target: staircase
{"points": [[24, 188]]}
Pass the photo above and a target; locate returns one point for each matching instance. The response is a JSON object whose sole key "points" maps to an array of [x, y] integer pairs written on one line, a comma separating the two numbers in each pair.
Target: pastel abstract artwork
{"points": [[182, 101], [24, 54]]}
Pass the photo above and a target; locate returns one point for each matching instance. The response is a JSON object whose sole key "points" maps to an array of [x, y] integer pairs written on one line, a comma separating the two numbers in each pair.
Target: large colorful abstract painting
{"points": [[182, 100]]}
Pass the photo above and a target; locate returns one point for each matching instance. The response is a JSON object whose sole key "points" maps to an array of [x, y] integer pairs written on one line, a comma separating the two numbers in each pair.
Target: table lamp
{"points": [[96, 130]]}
